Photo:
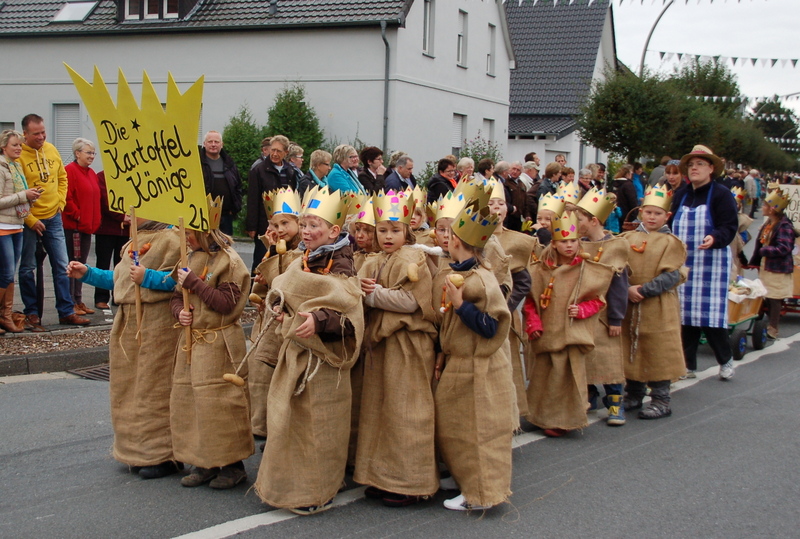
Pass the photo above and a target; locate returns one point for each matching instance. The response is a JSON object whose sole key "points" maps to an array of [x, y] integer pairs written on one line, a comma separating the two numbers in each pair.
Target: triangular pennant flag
{"points": [[669, 56], [697, 58], [764, 62], [661, 55], [680, 56], [784, 61], [774, 61], [734, 60], [794, 62], [753, 61]]}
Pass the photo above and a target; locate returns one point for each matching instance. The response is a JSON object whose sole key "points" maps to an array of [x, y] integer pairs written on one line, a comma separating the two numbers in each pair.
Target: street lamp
{"points": [[652, 29]]}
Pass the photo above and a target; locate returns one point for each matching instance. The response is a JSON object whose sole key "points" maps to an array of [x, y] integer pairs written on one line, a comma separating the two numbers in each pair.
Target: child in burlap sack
{"points": [[396, 455], [321, 324], [141, 375], [604, 363], [651, 332], [281, 240], [566, 295], [210, 417], [475, 398]]}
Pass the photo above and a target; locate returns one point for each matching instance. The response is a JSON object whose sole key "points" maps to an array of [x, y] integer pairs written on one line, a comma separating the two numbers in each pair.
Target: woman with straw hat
{"points": [[704, 218]]}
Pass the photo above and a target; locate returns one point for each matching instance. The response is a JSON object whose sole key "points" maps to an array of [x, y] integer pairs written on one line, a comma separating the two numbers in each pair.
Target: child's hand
{"points": [[277, 310], [76, 270], [455, 294], [137, 274], [185, 317], [308, 328], [182, 273], [614, 331], [272, 236], [258, 278], [437, 369], [535, 335], [368, 286], [573, 311], [635, 294]]}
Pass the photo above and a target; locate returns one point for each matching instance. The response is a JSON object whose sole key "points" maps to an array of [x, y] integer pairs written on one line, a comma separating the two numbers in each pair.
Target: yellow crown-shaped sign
{"points": [[658, 195], [332, 207], [570, 191], [565, 227], [598, 203], [474, 226], [214, 212], [739, 193], [149, 153], [393, 206], [282, 201], [554, 203], [777, 200]]}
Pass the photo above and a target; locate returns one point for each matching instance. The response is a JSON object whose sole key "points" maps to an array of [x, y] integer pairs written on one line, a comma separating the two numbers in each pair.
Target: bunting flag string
{"points": [[740, 61], [774, 117]]}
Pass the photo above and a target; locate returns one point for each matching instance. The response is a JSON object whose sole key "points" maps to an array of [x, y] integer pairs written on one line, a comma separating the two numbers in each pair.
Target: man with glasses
{"points": [[401, 178], [44, 170], [443, 181]]}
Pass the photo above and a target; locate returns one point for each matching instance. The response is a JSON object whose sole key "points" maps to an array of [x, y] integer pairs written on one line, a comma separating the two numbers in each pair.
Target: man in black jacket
{"points": [[221, 179]]}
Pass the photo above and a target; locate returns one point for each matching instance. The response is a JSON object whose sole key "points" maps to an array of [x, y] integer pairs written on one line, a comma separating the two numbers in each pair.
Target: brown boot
{"points": [[6, 308]]}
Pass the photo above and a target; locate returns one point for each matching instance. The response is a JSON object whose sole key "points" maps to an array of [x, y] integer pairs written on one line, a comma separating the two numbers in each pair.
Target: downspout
{"points": [[385, 89]]}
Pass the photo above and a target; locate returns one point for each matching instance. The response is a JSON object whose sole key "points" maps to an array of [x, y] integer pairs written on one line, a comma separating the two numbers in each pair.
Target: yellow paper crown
{"points": [[393, 206], [658, 195], [496, 189], [474, 225], [451, 204], [777, 200], [282, 201], [565, 227], [738, 193], [420, 196], [470, 187], [598, 203], [214, 212], [362, 210], [570, 191], [554, 203], [326, 205]]}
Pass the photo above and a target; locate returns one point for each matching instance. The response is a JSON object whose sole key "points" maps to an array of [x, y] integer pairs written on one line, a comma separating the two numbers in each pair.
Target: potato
{"points": [[457, 279], [234, 379], [280, 247], [255, 299], [413, 272]]}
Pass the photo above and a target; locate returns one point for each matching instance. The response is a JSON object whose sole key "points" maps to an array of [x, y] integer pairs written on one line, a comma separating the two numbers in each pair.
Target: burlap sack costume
{"points": [[518, 247], [396, 448], [309, 398], [210, 417], [557, 392], [604, 362], [651, 331], [498, 262], [261, 363], [737, 245], [474, 396], [424, 237], [141, 375]]}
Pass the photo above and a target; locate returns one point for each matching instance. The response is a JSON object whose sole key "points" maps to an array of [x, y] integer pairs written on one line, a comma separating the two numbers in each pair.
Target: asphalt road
{"points": [[724, 465]]}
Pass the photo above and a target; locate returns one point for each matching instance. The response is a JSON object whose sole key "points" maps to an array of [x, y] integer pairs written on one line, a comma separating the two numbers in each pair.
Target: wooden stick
{"points": [[137, 288], [186, 304]]}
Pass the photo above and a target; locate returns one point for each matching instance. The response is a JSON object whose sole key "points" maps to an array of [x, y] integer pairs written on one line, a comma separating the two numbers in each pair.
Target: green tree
{"points": [[292, 117], [628, 115], [711, 79], [242, 139], [480, 148]]}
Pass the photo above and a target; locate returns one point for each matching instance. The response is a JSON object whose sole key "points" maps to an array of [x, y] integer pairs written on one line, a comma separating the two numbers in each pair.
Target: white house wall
{"points": [[342, 70]]}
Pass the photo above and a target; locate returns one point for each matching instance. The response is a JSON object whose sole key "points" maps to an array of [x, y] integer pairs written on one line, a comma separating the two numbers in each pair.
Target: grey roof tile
{"points": [[540, 125], [556, 50], [35, 16]]}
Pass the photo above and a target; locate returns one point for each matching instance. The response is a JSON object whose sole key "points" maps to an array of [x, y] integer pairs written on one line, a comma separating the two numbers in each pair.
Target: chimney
{"points": [[273, 8]]}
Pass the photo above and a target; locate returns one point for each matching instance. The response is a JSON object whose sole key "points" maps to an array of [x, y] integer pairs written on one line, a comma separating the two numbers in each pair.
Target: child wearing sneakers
{"points": [[566, 295], [651, 332], [604, 362]]}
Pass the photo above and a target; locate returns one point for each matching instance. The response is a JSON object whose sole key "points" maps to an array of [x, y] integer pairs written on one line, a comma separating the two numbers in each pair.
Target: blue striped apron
{"points": [[704, 296]]}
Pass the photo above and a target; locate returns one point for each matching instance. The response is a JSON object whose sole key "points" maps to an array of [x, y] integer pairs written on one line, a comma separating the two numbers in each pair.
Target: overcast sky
{"points": [[732, 28]]}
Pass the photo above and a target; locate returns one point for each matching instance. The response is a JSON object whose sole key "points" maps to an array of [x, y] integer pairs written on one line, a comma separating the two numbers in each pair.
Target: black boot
{"points": [[160, 470]]}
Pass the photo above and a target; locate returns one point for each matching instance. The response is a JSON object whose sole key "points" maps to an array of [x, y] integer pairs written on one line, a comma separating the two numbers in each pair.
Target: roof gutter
{"points": [[385, 88]]}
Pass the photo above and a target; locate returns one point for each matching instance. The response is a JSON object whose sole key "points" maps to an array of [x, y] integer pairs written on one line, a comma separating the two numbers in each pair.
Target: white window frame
{"points": [[132, 16], [461, 45], [168, 14], [488, 128], [149, 15], [490, 56], [428, 25], [457, 136]]}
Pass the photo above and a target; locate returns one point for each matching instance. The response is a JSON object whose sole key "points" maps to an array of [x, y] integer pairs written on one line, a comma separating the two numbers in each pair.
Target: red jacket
{"points": [[82, 212]]}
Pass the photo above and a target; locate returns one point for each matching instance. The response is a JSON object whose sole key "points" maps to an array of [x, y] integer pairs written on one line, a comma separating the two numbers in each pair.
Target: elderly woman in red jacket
{"points": [[81, 216]]}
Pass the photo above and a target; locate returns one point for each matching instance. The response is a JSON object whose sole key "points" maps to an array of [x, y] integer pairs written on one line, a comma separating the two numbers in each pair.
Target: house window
{"points": [[67, 126], [151, 9], [74, 12], [461, 53], [459, 128], [6, 125], [488, 129], [491, 54], [427, 27]]}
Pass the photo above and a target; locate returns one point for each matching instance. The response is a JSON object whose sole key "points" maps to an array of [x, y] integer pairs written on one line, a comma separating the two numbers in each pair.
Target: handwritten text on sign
{"points": [[149, 157]]}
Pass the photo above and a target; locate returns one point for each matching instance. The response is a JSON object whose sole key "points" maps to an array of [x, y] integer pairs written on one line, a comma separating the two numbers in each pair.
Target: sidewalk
{"points": [[30, 363]]}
